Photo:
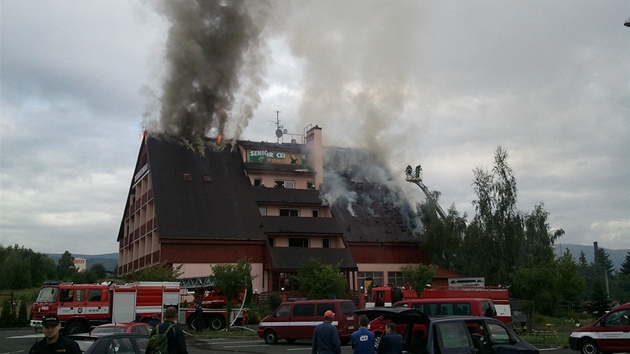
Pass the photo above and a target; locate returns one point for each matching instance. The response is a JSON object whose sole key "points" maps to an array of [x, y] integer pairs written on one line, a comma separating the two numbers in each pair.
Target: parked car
{"points": [[295, 320], [451, 335], [131, 327], [107, 343], [609, 334]]}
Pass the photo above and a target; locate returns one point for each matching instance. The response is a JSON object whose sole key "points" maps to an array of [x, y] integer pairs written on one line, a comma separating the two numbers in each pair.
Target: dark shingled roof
{"points": [[220, 209], [290, 259]]}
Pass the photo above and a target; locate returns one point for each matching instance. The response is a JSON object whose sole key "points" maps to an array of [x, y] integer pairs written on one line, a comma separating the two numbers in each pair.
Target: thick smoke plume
{"points": [[216, 61]]}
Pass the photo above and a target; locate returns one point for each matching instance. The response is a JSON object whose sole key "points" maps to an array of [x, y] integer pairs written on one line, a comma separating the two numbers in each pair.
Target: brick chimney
{"points": [[315, 155]]}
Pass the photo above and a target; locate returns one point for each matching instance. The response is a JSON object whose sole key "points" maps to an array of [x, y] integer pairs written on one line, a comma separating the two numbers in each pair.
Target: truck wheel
{"points": [[589, 347], [216, 323], [270, 336], [75, 327]]}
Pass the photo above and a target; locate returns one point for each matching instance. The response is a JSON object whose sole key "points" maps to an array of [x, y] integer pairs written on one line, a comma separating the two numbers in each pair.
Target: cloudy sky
{"points": [[436, 83]]}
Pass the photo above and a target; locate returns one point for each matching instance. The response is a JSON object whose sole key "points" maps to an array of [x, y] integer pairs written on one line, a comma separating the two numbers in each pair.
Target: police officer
{"points": [[54, 342]]}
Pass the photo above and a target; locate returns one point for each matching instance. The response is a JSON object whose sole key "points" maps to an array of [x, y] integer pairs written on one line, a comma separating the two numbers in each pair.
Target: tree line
{"points": [[514, 248], [22, 268]]}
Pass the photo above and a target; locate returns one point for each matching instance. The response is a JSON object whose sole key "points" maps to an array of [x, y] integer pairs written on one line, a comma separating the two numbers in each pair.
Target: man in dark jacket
{"points": [[325, 336], [391, 342], [54, 342], [176, 339]]}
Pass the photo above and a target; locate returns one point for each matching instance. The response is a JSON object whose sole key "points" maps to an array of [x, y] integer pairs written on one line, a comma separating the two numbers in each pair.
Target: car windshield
{"points": [[47, 295]]}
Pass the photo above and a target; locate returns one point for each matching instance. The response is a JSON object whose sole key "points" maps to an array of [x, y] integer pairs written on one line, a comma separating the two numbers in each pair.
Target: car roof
{"points": [[398, 314]]}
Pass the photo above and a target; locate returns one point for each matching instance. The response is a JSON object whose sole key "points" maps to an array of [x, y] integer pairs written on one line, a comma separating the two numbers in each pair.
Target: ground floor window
{"points": [[367, 279], [395, 278]]}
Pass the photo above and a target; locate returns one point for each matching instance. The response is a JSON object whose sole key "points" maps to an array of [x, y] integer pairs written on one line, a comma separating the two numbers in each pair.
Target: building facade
{"points": [[276, 204]]}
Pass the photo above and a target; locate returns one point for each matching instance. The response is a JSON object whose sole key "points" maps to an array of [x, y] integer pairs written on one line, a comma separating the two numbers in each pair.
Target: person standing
{"points": [[325, 336], [155, 320], [391, 342], [363, 339], [54, 342], [176, 339], [200, 321]]}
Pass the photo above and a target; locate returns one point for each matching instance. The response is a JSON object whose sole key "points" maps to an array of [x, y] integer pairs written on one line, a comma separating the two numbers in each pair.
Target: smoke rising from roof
{"points": [[216, 58]]}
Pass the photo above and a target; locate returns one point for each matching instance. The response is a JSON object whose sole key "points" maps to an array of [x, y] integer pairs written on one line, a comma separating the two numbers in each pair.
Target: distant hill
{"points": [[108, 260], [616, 256]]}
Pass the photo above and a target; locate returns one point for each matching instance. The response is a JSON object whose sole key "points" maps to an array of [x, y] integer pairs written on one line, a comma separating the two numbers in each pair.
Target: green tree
{"points": [[539, 239], [157, 272], [233, 279], [7, 317], [65, 266], [418, 275], [599, 301], [570, 285], [22, 315], [536, 283], [99, 271], [497, 224], [602, 258], [442, 238], [322, 281], [582, 262], [625, 266]]}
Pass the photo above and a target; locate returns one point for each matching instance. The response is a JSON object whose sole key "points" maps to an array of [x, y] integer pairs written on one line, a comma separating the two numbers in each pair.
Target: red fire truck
{"points": [[81, 306], [388, 295]]}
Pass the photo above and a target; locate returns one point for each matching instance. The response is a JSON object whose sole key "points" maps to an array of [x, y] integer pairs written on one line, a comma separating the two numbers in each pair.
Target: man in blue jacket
{"points": [[363, 339], [325, 336]]}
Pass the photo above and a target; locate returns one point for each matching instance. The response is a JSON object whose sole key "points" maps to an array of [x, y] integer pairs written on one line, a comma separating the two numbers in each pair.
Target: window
{"points": [[326, 243], [452, 335], [395, 278], [206, 177], [289, 212], [187, 177], [374, 278], [257, 182], [298, 242], [270, 241], [315, 213], [79, 296], [310, 185], [263, 211], [283, 310], [498, 334], [66, 295], [304, 310], [94, 295], [285, 184], [323, 307]]}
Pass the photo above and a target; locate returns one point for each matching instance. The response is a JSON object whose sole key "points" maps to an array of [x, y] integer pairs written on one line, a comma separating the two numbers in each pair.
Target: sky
{"points": [[440, 84]]}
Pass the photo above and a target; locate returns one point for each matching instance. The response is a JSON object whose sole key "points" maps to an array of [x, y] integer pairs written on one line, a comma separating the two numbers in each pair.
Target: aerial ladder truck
{"points": [[415, 177]]}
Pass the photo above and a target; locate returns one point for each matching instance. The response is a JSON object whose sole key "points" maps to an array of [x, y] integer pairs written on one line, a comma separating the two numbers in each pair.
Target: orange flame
{"points": [[219, 139]]}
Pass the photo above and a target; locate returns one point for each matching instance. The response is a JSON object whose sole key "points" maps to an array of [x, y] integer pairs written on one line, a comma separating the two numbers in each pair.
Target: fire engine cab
{"points": [[82, 306]]}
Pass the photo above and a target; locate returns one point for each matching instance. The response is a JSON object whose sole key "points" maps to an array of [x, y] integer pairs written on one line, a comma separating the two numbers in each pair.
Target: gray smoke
{"points": [[216, 57]]}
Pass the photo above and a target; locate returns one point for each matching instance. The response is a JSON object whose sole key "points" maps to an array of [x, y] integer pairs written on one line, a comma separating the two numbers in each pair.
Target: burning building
{"points": [[276, 204]]}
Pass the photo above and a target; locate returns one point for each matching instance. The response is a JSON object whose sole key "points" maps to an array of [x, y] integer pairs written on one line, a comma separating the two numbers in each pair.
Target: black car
{"points": [[451, 335], [119, 342]]}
